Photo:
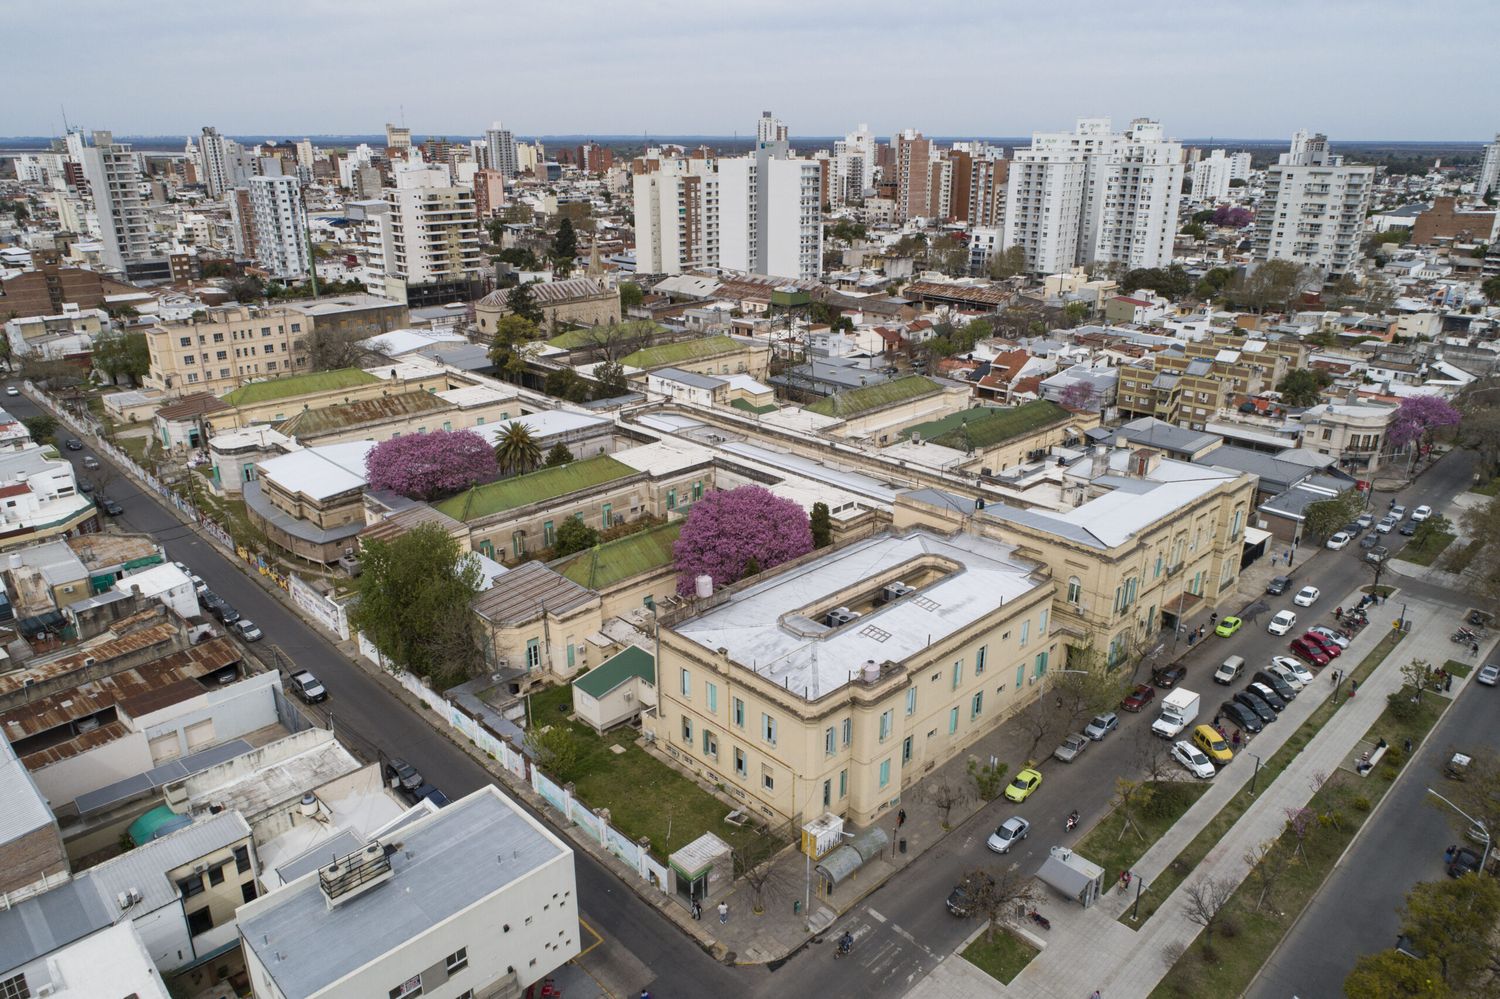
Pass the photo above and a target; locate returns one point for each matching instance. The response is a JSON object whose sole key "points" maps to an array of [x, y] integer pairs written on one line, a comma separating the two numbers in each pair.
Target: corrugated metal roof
{"points": [[40, 925], [521, 594], [23, 809], [327, 419], [145, 868], [118, 647]]}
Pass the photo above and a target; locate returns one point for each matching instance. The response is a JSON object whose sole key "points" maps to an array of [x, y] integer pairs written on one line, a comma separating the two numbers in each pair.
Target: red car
{"points": [[1142, 695], [1330, 648], [1312, 653]]}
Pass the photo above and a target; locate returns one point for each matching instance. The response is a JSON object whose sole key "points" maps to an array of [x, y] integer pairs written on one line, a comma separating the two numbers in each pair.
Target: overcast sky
{"points": [[1355, 69]]}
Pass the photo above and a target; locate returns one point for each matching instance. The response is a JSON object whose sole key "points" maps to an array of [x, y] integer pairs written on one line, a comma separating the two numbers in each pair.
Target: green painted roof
{"points": [[326, 419], [632, 661], [291, 385], [682, 351], [986, 426], [751, 408], [545, 484], [578, 339], [868, 398], [609, 563]]}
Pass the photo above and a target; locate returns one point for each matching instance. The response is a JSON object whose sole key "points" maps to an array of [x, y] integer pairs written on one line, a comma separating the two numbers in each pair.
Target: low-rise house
{"points": [[310, 502], [39, 498], [579, 301], [187, 422], [617, 690], [537, 620]]}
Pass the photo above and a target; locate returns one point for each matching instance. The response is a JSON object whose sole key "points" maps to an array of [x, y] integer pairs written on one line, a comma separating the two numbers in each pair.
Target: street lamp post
{"points": [[1135, 910], [1254, 773], [1484, 860]]}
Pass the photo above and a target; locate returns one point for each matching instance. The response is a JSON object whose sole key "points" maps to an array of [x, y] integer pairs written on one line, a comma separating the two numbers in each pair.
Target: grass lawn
{"points": [[1105, 845], [1001, 954], [1192, 855], [645, 797], [1490, 488], [1461, 557], [1251, 932], [135, 446], [1426, 554], [1457, 668]]}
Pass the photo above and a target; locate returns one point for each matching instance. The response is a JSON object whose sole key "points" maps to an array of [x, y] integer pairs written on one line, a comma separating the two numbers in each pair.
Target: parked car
{"points": [[248, 630], [1011, 832], [12, 390], [1339, 541], [1168, 676], [90, 462], [1409, 528], [1386, 525], [1333, 649], [307, 687], [1489, 674], [85, 486], [1283, 622], [1307, 596], [1369, 541], [209, 599], [1464, 861], [1192, 760], [1278, 686], [1241, 716], [1333, 636], [1072, 747], [408, 776], [1228, 626], [1398, 513], [110, 507], [1268, 695], [73, 444], [1421, 513], [1102, 725], [1308, 651], [1290, 670], [429, 792], [1279, 585], [1260, 708], [1208, 739], [1364, 521], [1352, 529], [1142, 695], [961, 898], [226, 613], [1378, 554], [1026, 782], [1229, 670]]}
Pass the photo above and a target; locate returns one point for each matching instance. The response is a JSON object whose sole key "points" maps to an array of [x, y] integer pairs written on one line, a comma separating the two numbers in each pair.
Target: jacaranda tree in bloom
{"points": [[730, 530], [426, 466], [1419, 416]]}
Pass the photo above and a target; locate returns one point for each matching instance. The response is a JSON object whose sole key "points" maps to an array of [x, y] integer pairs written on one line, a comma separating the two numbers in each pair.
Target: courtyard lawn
{"points": [[1002, 955]]}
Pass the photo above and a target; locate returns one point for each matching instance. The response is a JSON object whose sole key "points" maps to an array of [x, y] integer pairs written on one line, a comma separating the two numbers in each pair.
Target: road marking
{"points": [[598, 938], [876, 915]]}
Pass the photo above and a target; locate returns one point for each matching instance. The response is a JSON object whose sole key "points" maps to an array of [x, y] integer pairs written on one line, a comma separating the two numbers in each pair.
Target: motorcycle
{"points": [[1041, 920], [1464, 636], [1072, 822], [846, 944]]}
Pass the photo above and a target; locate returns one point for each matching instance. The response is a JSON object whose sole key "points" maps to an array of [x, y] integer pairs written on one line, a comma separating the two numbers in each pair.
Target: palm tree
{"points": [[517, 451]]}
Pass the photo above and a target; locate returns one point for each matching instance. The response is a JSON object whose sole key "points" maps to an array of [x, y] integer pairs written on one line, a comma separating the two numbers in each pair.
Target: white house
{"points": [[168, 584]]}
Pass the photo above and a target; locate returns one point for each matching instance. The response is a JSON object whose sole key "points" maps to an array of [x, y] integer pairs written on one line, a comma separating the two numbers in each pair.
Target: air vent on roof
{"points": [[841, 616], [895, 591]]}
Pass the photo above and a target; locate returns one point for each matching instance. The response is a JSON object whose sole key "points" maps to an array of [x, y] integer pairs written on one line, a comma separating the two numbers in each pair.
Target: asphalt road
{"points": [[677, 967]]}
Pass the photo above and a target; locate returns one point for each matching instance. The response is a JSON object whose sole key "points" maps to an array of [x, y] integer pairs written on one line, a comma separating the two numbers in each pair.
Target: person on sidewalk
{"points": [[697, 909], [723, 912], [901, 818], [1096, 995]]}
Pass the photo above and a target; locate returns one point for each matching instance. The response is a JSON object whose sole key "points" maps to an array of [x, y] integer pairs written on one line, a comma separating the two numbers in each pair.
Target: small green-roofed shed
{"points": [[614, 691]]}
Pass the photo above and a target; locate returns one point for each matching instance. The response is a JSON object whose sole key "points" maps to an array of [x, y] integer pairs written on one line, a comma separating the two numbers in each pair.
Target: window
{"points": [[407, 989], [200, 921], [768, 729], [958, 673], [711, 695], [740, 766], [548, 535], [911, 701], [533, 654], [248, 892], [1041, 663], [687, 730], [976, 708], [1025, 632], [887, 720], [843, 784], [697, 491], [827, 793], [1075, 589], [767, 779], [906, 751], [518, 546], [216, 875], [739, 713], [953, 721], [671, 499], [848, 731], [15, 987], [1041, 624], [1020, 674], [885, 772], [710, 745], [242, 859], [604, 516], [829, 743], [458, 960], [686, 683], [980, 657], [190, 886]]}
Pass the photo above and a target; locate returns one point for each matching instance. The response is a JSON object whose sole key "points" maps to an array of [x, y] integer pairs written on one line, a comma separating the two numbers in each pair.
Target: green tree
{"points": [[517, 451], [565, 243], [631, 296], [522, 303], [413, 604], [1302, 387], [1274, 285], [508, 349], [5, 351], [565, 383], [1194, 230], [1074, 313], [1491, 288], [822, 525], [1453, 921], [558, 455], [557, 750], [41, 426], [609, 379], [1325, 517], [1390, 974], [1007, 263], [573, 535], [1213, 282], [121, 354]]}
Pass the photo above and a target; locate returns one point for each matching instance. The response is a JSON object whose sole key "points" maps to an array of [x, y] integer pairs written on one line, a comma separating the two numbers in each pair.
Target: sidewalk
{"points": [[1089, 949]]}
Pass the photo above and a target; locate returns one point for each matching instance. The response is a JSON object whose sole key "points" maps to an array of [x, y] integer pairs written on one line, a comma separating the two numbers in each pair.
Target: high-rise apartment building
{"points": [[1239, 166], [1489, 169], [306, 154], [226, 164], [489, 193], [853, 167], [1211, 176], [429, 242], [397, 137], [500, 150], [769, 128], [1094, 195], [987, 192], [676, 214], [913, 176], [280, 223], [114, 180], [242, 223], [1313, 209]]}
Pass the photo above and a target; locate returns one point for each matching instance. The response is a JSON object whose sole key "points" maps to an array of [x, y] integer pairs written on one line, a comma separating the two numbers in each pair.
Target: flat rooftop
{"points": [[447, 862], [753, 624]]}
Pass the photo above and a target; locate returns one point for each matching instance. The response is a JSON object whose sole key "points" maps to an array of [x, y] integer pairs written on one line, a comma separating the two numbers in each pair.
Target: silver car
{"points": [[1489, 674], [1072, 747], [1011, 832], [1102, 725]]}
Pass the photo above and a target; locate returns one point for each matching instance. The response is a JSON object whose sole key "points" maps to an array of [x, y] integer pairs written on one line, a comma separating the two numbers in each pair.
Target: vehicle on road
{"points": [[1333, 636], [1011, 832], [1386, 525], [226, 613], [1229, 670], [1378, 554], [1291, 670], [90, 462], [248, 630], [1457, 766], [429, 792], [1192, 760], [1214, 746], [1142, 695], [1339, 541], [1102, 725], [1307, 596], [1279, 585], [85, 486], [1284, 690], [1261, 710], [12, 390], [1489, 674], [1369, 541], [1352, 529], [1241, 716], [1312, 653], [1398, 512], [1464, 861], [1421, 513], [1283, 622], [1274, 702], [109, 506], [1333, 649], [404, 774], [1364, 521], [1228, 627], [307, 687], [73, 444], [1168, 676], [961, 898], [1072, 747], [1409, 528], [1178, 709], [1026, 782]]}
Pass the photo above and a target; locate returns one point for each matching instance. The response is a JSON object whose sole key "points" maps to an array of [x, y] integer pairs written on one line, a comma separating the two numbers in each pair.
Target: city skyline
{"points": [[679, 69]]}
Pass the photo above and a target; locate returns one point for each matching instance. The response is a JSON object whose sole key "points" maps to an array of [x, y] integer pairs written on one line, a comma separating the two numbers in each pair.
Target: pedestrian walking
{"points": [[697, 909], [1448, 684], [1192, 637], [723, 912], [1408, 747], [1216, 720], [1213, 618], [901, 818], [1236, 740]]}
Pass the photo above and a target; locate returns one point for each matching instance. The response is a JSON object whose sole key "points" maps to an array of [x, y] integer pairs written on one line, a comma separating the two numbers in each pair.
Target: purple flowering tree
{"points": [[1233, 216], [738, 532], [1079, 395], [426, 466], [1419, 416]]}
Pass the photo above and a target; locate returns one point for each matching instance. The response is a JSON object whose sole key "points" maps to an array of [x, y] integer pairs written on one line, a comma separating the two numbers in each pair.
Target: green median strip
{"points": [[1000, 954], [1115, 847], [1192, 855]]}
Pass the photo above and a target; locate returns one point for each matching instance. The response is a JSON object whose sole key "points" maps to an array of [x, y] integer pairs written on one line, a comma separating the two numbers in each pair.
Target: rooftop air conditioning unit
{"points": [[895, 591]]}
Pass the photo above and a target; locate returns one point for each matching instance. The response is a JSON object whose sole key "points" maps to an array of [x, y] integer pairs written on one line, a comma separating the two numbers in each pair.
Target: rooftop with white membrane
{"points": [[811, 660], [320, 472]]}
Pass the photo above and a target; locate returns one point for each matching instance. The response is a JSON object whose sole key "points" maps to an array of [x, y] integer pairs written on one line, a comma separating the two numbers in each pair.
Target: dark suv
{"points": [[1279, 585], [409, 776]]}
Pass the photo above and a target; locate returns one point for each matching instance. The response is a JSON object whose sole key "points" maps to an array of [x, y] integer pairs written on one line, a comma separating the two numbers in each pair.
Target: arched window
{"points": [[1075, 589]]}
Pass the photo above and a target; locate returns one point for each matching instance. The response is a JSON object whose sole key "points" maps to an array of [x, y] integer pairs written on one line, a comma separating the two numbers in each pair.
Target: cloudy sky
{"points": [[1356, 69]]}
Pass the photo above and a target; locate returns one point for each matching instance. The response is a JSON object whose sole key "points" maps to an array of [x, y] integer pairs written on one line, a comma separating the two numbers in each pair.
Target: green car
{"points": [[1026, 781], [1228, 626]]}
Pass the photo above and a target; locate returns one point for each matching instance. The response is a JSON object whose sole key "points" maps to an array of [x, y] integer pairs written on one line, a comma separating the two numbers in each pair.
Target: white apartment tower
{"points": [[430, 236], [115, 182], [676, 214], [224, 163], [769, 129], [500, 150], [1239, 166], [1211, 176], [1313, 210], [1094, 195], [853, 166], [1489, 169], [280, 222]]}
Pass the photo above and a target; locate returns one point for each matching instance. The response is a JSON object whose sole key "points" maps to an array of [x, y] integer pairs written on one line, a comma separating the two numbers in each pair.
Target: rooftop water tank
{"points": [[704, 585]]}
